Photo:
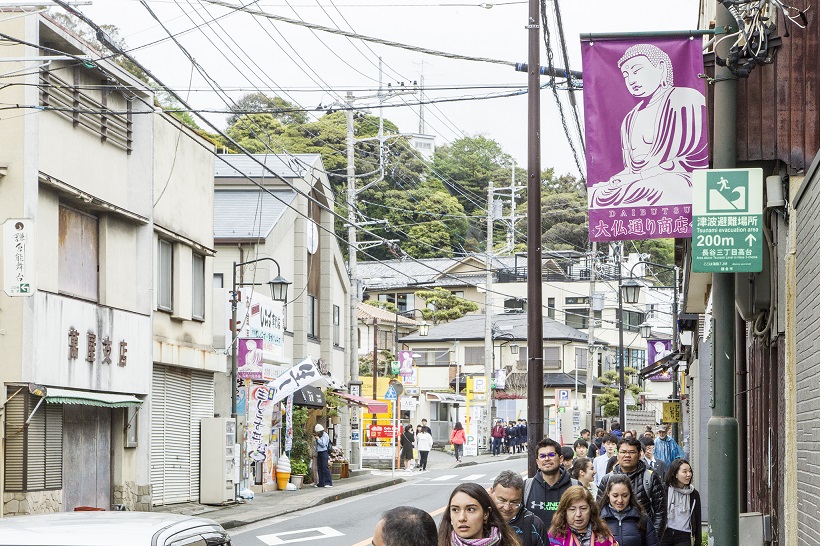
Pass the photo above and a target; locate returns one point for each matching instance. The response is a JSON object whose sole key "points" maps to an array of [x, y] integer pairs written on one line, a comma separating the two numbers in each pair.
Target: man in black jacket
{"points": [[647, 485], [541, 496], [507, 492]]}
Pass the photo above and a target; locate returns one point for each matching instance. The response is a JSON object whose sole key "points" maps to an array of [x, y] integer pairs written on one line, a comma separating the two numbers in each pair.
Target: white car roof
{"points": [[103, 529]]}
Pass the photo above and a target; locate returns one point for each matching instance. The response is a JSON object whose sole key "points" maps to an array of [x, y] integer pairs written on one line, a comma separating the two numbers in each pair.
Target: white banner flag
{"points": [[301, 374]]}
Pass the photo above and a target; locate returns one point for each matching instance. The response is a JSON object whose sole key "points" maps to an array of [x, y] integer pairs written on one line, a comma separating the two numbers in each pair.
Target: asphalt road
{"points": [[350, 522]]}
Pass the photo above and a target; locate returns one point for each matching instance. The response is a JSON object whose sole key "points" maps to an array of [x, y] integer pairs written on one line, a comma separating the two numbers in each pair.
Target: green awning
{"points": [[90, 398]]}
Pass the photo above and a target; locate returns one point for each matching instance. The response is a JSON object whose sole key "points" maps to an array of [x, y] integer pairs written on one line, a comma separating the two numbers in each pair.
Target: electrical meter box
{"points": [[216, 456]]}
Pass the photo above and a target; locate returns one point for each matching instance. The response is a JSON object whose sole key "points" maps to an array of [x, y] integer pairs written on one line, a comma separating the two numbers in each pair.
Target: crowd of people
{"points": [[642, 496]]}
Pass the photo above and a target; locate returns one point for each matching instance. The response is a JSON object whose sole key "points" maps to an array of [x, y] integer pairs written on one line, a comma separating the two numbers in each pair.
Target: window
{"points": [[637, 358], [387, 298], [577, 301], [433, 356], [515, 304], [405, 302], [198, 284], [551, 308], [552, 358], [313, 316], [219, 280], [78, 258], [34, 456], [474, 355], [577, 317], [581, 358], [457, 293], [337, 328], [165, 270], [632, 320]]}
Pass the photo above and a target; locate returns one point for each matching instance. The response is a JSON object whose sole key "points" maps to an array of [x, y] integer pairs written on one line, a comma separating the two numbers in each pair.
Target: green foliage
{"points": [[610, 398], [282, 110], [298, 467], [470, 163], [441, 305], [332, 403], [389, 306], [660, 251], [299, 451]]}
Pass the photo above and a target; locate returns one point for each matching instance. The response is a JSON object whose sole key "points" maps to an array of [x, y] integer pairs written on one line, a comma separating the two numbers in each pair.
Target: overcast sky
{"points": [[243, 53]]}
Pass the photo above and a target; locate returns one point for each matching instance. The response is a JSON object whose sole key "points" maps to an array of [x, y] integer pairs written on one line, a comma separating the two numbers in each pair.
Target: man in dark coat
{"points": [[507, 492], [647, 485], [543, 492]]}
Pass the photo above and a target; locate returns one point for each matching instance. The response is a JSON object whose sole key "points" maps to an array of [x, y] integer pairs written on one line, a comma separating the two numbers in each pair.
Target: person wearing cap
{"points": [[666, 448], [323, 456]]}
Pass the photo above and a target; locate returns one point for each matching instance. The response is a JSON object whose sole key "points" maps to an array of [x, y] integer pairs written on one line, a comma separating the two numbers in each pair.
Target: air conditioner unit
{"points": [[521, 366]]}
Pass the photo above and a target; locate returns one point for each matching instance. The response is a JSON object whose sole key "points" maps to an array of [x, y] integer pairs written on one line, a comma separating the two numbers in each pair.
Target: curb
{"points": [[232, 524]]}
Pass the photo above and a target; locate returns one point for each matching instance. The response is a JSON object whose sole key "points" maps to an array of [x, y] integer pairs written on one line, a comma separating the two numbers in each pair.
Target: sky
{"points": [[241, 53]]}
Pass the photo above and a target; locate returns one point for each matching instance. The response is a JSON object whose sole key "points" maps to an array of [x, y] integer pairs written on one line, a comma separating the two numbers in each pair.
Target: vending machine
{"points": [[217, 472]]}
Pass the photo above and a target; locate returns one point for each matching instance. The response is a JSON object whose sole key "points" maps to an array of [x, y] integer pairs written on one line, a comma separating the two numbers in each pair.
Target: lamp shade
{"points": [[514, 348], [424, 329], [646, 330], [630, 291], [279, 288]]}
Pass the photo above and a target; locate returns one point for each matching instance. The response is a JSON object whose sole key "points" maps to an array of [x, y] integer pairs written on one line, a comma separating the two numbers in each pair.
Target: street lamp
{"points": [[629, 291], [279, 291], [423, 329]]}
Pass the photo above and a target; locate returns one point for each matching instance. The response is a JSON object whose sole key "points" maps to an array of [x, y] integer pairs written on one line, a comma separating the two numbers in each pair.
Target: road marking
{"points": [[443, 478], [316, 533], [472, 477]]}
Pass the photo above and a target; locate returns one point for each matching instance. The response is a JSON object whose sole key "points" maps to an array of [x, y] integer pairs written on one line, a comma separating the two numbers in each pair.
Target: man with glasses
{"points": [[543, 492], [647, 485], [507, 492], [405, 526]]}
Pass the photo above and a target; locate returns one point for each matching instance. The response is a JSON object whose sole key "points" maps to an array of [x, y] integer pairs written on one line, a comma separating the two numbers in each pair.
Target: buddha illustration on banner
{"points": [[646, 131]]}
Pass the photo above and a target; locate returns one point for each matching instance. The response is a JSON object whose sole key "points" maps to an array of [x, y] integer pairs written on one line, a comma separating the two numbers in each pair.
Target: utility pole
{"points": [[488, 314], [723, 428], [353, 341], [535, 322], [621, 360], [511, 230], [591, 360], [422, 127]]}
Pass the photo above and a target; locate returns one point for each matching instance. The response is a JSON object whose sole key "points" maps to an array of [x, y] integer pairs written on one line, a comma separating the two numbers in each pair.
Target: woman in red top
{"points": [[457, 439]]}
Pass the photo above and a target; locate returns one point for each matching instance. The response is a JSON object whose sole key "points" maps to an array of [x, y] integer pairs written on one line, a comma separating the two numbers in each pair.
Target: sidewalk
{"points": [[277, 503]]}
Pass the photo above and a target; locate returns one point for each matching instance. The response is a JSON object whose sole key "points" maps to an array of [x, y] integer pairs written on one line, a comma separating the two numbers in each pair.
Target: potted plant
{"points": [[332, 403], [339, 466], [298, 471]]}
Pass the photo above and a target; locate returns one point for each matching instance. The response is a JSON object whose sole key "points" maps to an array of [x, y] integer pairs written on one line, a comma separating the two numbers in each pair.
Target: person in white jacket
{"points": [[424, 443]]}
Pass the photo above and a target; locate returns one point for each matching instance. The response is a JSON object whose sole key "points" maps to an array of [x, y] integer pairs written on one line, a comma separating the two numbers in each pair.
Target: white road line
{"points": [[443, 478], [316, 533], [472, 477]]}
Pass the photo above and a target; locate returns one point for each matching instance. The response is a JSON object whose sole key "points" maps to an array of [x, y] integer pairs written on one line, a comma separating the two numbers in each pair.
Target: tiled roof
{"points": [[240, 214], [286, 166]]}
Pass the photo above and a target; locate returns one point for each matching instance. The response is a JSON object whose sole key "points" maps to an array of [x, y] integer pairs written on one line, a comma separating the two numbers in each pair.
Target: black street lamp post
{"points": [[279, 292]]}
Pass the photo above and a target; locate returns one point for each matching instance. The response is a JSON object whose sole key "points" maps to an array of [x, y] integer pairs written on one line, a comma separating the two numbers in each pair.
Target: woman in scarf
{"points": [[683, 525], [624, 515], [577, 522], [472, 519]]}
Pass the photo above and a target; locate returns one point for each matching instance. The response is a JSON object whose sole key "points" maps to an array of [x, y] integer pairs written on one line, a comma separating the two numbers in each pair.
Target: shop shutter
{"points": [[177, 435], [54, 446], [202, 406], [14, 442], [158, 397]]}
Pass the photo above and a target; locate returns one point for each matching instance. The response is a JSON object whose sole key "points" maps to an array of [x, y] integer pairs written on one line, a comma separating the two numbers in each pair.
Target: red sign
{"points": [[384, 431]]}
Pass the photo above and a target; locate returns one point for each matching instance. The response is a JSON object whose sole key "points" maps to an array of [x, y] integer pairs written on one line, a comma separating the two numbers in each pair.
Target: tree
{"points": [[286, 112], [441, 305], [468, 164], [611, 396]]}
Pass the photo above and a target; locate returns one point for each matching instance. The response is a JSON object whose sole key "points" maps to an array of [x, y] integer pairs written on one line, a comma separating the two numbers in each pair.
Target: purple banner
{"points": [[656, 350], [249, 358], [646, 131]]}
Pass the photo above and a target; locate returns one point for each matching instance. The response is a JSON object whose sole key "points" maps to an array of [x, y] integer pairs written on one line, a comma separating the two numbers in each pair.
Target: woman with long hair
{"points": [[578, 521], [683, 525], [473, 519], [623, 514], [457, 439]]}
